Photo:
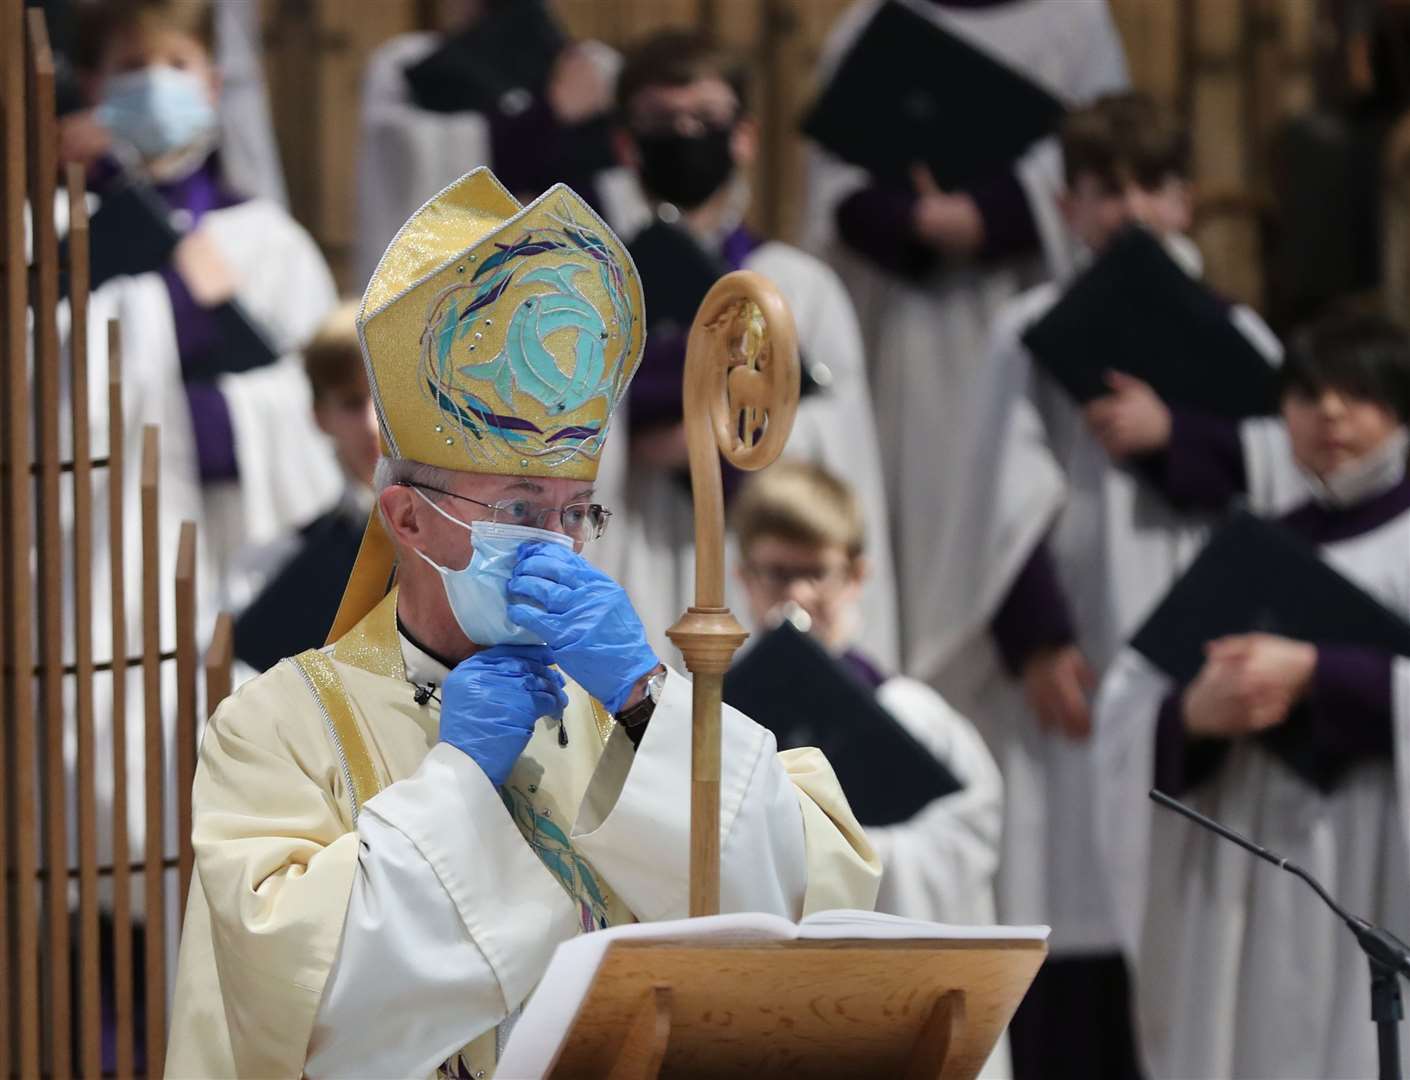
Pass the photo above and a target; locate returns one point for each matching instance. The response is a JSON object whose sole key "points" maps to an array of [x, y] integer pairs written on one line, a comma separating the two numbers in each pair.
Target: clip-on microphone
{"points": [[1389, 957]]}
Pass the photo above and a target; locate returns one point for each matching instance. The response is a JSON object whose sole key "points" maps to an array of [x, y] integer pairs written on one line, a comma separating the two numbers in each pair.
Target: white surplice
{"points": [[927, 341], [409, 153], [1117, 546], [650, 546], [1240, 970]]}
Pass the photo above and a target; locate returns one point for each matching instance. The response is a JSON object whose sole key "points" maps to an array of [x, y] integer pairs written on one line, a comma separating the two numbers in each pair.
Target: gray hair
{"points": [[392, 472]]}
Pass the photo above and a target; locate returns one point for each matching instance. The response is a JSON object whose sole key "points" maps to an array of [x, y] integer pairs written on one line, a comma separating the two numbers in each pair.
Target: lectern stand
{"points": [[746, 1006], [813, 1008]]}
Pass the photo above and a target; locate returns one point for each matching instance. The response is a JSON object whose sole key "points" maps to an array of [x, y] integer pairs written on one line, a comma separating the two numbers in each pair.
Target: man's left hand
{"points": [[584, 617]]}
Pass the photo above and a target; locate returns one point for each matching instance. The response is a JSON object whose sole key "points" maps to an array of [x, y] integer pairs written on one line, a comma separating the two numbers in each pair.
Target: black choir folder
{"points": [[1135, 310], [789, 683], [909, 91], [1255, 576], [676, 273], [512, 47]]}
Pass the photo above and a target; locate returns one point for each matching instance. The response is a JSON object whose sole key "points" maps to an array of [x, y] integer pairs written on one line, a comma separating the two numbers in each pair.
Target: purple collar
{"points": [[861, 666], [737, 246], [200, 192], [1327, 525]]}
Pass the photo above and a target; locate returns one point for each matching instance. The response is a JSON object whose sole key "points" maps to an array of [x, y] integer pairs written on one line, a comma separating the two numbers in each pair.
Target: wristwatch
{"points": [[640, 713]]}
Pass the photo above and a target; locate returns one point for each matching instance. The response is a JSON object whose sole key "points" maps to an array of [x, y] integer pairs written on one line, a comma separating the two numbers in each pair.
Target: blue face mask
{"points": [[157, 110], [479, 594]]}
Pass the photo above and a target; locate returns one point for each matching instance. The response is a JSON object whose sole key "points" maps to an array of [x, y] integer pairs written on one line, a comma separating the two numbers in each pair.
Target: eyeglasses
{"points": [[780, 577], [583, 521]]}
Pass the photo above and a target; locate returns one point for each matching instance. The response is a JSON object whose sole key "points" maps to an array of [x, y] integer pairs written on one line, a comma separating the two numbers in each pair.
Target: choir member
{"points": [[1241, 970], [928, 268], [1057, 554], [689, 135], [502, 86]]}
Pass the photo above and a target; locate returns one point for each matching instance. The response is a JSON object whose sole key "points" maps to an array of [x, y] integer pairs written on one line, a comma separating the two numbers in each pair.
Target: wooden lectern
{"points": [[743, 1007]]}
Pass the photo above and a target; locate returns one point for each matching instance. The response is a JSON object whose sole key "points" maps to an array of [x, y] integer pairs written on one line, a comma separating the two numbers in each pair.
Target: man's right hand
{"points": [[1057, 682], [490, 703]]}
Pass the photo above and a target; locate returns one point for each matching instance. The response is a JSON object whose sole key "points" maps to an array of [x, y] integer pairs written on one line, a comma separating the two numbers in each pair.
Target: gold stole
{"points": [[374, 645]]}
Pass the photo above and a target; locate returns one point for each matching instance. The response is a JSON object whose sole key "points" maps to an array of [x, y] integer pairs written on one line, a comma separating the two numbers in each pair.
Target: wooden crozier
{"points": [[741, 394], [748, 1008]]}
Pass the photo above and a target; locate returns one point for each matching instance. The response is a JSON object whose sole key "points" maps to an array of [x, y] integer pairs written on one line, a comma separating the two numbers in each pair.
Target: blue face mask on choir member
{"points": [[478, 594], [157, 110]]}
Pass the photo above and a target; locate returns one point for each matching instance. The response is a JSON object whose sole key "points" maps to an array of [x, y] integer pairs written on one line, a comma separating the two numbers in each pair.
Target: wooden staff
{"points": [[89, 997], [154, 845], [741, 394], [19, 1049]]}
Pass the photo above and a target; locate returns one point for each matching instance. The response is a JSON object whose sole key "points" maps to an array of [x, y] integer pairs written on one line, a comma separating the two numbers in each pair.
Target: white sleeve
{"points": [[435, 951], [940, 864], [1125, 716], [634, 824]]}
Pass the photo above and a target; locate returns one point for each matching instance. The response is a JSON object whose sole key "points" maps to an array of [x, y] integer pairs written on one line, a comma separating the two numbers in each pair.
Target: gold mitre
{"points": [[500, 338]]}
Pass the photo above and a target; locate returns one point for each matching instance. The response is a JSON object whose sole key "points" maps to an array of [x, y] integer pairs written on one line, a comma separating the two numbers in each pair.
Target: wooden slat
{"points": [[220, 657], [122, 885], [89, 996], [43, 173], [19, 1023], [186, 721], [154, 772]]}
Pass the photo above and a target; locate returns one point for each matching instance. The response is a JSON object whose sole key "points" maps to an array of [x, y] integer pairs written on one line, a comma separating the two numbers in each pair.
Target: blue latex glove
{"points": [[490, 702], [584, 617]]}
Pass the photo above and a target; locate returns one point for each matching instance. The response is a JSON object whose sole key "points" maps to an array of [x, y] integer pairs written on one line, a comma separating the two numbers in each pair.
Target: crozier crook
{"points": [[741, 395]]}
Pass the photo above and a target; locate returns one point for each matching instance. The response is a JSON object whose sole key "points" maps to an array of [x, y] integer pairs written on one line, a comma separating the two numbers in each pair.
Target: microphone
{"points": [[1380, 945], [424, 694], [1387, 954]]}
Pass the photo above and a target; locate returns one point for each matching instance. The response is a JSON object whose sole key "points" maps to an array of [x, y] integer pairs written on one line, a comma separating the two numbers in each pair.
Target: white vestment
{"points": [[926, 341], [1240, 970], [650, 546], [381, 942], [1116, 544], [409, 153], [287, 470]]}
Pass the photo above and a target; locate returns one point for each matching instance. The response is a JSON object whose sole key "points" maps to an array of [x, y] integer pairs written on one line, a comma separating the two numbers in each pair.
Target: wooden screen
{"points": [[70, 864]]}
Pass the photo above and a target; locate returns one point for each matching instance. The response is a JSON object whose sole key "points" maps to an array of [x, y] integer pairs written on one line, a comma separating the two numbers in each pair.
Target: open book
{"points": [[549, 1013]]}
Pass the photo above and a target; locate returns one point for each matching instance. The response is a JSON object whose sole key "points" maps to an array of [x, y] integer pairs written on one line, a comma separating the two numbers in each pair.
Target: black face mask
{"points": [[685, 169]]}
